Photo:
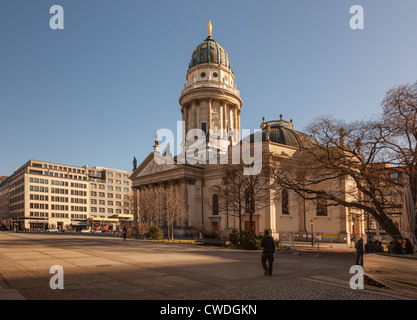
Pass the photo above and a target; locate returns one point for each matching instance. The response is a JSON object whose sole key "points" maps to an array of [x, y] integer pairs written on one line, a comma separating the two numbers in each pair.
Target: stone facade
{"points": [[210, 102]]}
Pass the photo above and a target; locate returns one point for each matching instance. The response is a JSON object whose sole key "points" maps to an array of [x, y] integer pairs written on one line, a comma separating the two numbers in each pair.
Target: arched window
{"points": [[249, 201], [284, 204], [215, 205], [321, 207]]}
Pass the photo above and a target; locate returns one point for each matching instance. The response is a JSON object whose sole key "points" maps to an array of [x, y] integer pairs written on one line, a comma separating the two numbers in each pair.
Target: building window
{"points": [[394, 176], [321, 207], [284, 194], [215, 203], [249, 201]]}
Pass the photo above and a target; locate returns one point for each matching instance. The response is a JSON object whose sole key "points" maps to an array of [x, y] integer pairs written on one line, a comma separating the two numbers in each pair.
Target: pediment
{"points": [[154, 163]]}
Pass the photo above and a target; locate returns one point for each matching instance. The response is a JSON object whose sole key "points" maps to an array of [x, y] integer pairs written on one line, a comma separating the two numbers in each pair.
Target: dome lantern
{"points": [[209, 51]]}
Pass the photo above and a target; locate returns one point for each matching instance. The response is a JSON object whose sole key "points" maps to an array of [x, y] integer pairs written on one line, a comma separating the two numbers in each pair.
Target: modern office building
{"points": [[41, 195]]}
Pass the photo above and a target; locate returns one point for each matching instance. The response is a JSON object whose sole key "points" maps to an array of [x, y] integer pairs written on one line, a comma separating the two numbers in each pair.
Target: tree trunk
{"points": [[388, 225], [240, 219]]}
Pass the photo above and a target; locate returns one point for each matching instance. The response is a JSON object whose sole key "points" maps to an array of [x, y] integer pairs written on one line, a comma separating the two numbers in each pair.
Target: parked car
{"points": [[3, 228], [52, 230], [85, 230]]}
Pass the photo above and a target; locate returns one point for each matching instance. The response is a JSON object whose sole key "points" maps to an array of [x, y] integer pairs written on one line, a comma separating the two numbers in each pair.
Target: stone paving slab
{"points": [[112, 269]]}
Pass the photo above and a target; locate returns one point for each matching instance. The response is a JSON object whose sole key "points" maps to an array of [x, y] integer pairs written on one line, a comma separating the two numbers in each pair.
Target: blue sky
{"points": [[95, 92]]}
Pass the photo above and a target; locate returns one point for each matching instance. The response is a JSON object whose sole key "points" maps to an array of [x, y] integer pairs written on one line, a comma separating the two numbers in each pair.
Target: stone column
{"points": [[184, 191], [192, 203], [193, 115], [238, 123], [184, 112], [223, 117], [234, 122], [209, 114]]}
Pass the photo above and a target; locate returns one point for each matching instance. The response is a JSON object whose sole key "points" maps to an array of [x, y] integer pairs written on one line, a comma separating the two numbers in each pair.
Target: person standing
{"points": [[359, 252], [408, 247], [398, 247], [124, 232], [268, 245]]}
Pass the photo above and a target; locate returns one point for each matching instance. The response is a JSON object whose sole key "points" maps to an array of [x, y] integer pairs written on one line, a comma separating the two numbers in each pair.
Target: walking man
{"points": [[268, 246], [359, 252]]}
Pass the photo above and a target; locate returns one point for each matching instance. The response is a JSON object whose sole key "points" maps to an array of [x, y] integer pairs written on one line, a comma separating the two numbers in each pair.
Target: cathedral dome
{"points": [[209, 51], [282, 132]]}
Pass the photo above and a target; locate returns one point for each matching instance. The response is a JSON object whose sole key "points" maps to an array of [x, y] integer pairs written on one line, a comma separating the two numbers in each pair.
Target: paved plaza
{"points": [[108, 268]]}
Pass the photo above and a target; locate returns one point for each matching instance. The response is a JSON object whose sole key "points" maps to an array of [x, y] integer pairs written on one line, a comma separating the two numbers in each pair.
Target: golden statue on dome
{"points": [[209, 27]]}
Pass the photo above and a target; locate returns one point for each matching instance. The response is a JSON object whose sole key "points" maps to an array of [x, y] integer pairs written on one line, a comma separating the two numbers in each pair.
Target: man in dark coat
{"points": [[398, 247], [359, 252], [408, 247], [268, 245]]}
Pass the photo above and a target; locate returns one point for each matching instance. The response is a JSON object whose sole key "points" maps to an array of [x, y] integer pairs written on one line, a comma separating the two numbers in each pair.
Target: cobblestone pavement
{"points": [[105, 268]]}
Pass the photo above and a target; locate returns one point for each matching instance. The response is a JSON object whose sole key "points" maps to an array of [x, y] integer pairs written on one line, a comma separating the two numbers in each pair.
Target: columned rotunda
{"points": [[210, 101]]}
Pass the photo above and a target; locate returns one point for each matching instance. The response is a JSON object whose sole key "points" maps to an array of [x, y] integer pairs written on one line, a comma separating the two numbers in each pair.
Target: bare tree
{"points": [[242, 193], [350, 164], [151, 200], [175, 209], [232, 193], [398, 130]]}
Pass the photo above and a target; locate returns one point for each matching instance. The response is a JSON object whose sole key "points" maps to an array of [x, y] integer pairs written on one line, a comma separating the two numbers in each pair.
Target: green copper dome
{"points": [[209, 51], [281, 132]]}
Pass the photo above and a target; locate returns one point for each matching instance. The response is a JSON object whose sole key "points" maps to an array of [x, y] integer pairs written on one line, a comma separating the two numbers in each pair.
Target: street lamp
{"points": [[312, 233]]}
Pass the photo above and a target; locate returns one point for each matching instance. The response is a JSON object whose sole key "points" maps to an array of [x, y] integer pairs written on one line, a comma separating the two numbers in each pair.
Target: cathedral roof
{"points": [[282, 132]]}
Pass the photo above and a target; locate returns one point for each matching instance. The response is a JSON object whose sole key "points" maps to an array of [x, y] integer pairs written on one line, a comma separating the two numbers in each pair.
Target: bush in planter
{"points": [[211, 235], [250, 241], [155, 233], [244, 240], [234, 238]]}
